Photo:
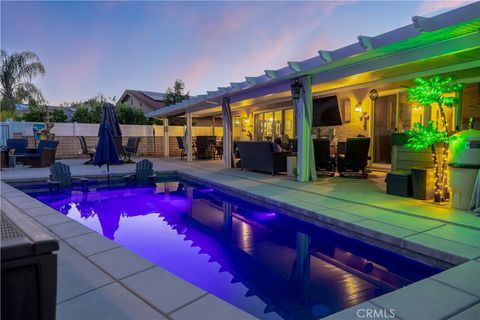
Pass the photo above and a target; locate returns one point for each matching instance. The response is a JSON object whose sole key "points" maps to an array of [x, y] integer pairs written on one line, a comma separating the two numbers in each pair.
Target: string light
{"points": [[420, 137]]}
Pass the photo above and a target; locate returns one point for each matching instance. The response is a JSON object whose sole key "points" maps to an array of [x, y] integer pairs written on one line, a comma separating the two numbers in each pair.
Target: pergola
{"points": [[446, 43]]}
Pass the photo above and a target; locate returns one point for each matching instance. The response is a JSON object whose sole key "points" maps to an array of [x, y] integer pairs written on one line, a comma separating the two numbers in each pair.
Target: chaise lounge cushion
{"points": [[259, 156]]}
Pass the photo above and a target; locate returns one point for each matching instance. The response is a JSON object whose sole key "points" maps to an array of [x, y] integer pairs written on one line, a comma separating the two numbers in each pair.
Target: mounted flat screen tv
{"points": [[326, 112]]}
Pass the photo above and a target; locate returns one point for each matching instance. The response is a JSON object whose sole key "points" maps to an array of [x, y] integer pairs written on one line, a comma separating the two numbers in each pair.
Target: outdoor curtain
{"points": [[227, 133], [303, 107], [475, 201]]}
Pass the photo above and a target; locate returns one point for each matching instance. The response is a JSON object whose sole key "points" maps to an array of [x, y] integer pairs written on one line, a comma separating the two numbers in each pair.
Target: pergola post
{"points": [[189, 137], [227, 133], [166, 139]]}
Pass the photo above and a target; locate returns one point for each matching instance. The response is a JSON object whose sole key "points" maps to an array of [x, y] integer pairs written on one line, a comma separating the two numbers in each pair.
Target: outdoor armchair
{"points": [[20, 145], [324, 162], [61, 177], [355, 161], [85, 150], [181, 147], [143, 173], [130, 149], [43, 155]]}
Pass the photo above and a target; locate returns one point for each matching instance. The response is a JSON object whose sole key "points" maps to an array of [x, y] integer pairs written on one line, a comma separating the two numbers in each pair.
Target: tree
{"points": [[89, 111], [35, 113], [81, 114], [176, 94], [58, 116], [426, 93], [130, 115], [17, 70]]}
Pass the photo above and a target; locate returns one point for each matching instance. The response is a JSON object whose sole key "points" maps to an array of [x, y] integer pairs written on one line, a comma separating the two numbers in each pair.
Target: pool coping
{"points": [[195, 301], [445, 281]]}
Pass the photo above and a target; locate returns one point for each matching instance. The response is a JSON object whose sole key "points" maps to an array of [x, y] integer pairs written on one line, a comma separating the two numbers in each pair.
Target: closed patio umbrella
{"points": [[106, 150], [109, 115]]}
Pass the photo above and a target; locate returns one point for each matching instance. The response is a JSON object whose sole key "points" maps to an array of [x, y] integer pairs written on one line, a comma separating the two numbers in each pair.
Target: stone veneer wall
{"points": [[69, 147]]}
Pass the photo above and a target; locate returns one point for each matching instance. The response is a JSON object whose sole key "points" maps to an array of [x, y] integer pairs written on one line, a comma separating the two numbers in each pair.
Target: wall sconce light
{"points": [[373, 94], [296, 87], [358, 107], [364, 117]]}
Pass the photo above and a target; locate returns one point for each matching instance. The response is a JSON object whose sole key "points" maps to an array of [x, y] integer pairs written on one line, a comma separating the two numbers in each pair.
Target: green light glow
{"points": [[421, 137], [426, 92]]}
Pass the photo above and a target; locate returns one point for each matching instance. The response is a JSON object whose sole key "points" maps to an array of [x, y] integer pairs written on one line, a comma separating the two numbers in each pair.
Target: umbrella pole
{"points": [[108, 174]]}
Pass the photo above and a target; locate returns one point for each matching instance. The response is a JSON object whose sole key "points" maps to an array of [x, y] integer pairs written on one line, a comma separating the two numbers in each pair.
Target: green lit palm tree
{"points": [[425, 93], [17, 70]]}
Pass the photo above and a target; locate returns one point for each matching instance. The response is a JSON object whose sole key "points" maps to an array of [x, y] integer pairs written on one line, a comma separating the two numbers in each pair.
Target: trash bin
{"points": [[29, 269], [464, 163], [423, 182]]}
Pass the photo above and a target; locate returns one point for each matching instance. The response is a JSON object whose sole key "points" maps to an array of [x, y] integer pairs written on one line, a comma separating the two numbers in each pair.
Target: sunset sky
{"points": [[107, 47]]}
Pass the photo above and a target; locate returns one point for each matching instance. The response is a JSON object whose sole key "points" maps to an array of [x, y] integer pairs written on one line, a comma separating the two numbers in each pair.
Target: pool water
{"points": [[266, 263]]}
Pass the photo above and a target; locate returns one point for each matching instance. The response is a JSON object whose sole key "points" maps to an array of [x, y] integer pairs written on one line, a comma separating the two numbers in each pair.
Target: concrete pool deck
{"points": [[358, 208]]}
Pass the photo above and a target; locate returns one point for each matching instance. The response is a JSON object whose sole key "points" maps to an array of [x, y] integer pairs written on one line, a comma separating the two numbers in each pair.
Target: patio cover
{"points": [[424, 38]]}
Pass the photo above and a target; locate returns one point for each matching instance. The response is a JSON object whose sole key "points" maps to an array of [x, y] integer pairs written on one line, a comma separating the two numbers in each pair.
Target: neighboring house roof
{"points": [[154, 100], [422, 38]]}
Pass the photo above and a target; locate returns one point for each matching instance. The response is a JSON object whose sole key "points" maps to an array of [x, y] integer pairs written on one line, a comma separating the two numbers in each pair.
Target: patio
{"points": [[356, 207]]}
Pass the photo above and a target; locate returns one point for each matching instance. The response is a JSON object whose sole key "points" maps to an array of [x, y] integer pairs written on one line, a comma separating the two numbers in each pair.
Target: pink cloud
{"points": [[429, 7], [78, 70], [198, 71]]}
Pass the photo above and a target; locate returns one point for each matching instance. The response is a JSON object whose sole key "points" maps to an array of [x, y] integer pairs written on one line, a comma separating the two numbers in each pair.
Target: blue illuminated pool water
{"points": [[266, 263]]}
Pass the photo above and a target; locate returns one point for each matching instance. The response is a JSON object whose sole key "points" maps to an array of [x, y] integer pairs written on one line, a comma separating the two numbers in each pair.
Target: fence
{"points": [[151, 143]]}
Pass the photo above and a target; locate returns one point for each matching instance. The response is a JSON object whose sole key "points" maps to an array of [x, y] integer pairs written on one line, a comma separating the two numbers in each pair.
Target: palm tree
{"points": [[17, 70]]}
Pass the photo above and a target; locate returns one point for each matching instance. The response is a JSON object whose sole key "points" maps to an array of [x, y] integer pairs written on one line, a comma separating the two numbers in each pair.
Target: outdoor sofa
{"points": [[259, 156]]}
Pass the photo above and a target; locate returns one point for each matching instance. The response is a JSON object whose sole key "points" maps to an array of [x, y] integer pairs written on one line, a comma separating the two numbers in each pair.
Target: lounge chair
{"points": [[324, 163], [61, 177], [143, 173], [181, 147], [85, 151], [259, 156], [43, 155], [130, 149], [354, 162], [19, 145]]}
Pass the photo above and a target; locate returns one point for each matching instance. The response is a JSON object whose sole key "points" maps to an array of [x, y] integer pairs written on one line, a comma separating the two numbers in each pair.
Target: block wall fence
{"points": [[151, 142]]}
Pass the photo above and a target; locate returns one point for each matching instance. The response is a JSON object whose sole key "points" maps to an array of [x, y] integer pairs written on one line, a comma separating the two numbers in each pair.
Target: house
{"points": [[367, 80], [147, 101]]}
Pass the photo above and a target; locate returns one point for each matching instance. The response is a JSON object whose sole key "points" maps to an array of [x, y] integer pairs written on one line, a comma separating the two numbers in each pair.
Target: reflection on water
{"points": [[265, 263]]}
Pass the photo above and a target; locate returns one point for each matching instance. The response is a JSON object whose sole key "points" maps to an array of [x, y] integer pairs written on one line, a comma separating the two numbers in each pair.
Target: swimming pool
{"points": [[266, 263]]}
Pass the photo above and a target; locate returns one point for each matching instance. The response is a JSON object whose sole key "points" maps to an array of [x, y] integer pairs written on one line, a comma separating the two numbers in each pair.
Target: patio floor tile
{"points": [[110, 302], [472, 313], [120, 262], [76, 275], [464, 277], [420, 300], [91, 243], [211, 308], [162, 289], [70, 229]]}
